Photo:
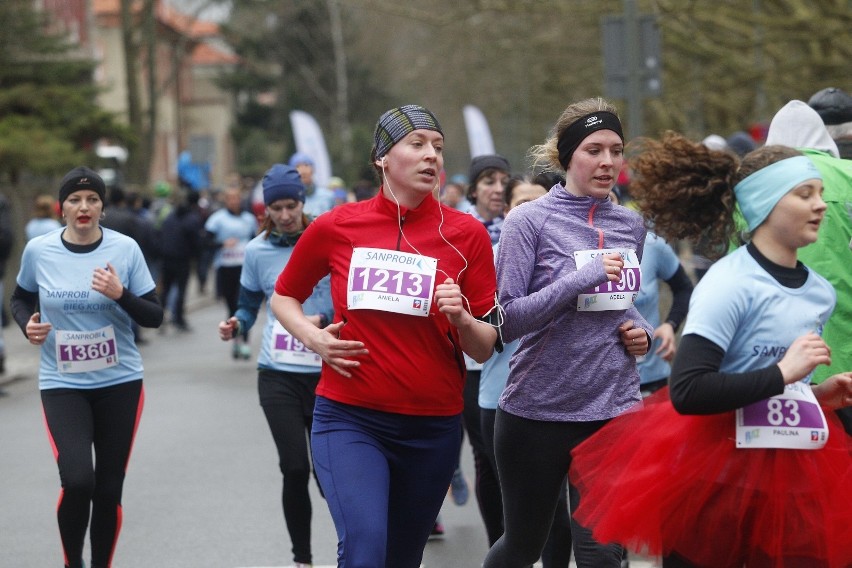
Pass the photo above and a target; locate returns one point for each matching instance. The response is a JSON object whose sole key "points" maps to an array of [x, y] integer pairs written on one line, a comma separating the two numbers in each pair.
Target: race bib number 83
{"points": [[793, 420]]}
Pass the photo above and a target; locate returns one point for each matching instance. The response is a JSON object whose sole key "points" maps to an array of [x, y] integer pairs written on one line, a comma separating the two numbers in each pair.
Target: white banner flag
{"points": [[478, 133], [309, 139]]}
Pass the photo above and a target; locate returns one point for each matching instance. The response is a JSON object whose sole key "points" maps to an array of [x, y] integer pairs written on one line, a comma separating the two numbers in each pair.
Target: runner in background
{"points": [[287, 372], [229, 230]]}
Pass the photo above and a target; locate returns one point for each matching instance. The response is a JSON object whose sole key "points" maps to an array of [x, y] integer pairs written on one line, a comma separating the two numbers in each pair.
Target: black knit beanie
{"points": [[487, 161], [833, 105], [81, 178]]}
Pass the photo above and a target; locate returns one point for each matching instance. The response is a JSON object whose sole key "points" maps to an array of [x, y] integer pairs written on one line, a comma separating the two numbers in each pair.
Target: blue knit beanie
{"points": [[282, 182], [300, 158]]}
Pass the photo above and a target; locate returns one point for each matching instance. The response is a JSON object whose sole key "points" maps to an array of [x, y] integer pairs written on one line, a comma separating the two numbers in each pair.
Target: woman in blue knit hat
{"points": [[746, 463], [287, 371], [411, 280]]}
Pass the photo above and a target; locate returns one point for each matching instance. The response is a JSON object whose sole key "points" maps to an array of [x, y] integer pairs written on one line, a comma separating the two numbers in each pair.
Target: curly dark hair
{"points": [[686, 190]]}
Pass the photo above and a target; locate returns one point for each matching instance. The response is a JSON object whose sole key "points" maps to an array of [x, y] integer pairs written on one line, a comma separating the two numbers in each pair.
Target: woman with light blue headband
{"points": [[733, 447]]}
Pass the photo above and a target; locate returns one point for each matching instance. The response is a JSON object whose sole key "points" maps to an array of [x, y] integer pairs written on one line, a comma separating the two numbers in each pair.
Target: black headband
{"points": [[572, 136]]}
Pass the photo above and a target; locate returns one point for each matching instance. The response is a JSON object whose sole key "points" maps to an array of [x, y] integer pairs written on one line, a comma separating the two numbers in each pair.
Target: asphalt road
{"points": [[203, 486]]}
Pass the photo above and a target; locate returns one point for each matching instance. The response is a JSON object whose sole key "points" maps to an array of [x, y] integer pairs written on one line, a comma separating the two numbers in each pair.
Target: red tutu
{"points": [[659, 482]]}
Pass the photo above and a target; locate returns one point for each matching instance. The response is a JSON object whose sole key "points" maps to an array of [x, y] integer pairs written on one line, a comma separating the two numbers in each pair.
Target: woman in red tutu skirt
{"points": [[743, 462]]}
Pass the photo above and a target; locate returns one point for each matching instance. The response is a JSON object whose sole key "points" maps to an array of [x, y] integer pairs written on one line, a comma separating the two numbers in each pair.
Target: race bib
{"points": [[233, 256], [84, 351], [792, 420], [610, 295], [288, 349], [390, 281]]}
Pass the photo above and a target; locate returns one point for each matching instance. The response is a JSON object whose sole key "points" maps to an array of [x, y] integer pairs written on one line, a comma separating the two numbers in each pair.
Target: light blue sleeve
{"points": [[667, 261], [212, 223], [27, 274], [319, 302], [140, 279], [717, 307], [249, 274]]}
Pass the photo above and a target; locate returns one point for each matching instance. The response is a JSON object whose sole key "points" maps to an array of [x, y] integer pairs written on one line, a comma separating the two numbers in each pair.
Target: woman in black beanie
{"points": [[89, 284], [488, 177]]}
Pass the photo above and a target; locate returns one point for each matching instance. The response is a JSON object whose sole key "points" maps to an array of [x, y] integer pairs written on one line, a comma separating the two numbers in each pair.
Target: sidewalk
{"points": [[22, 359]]}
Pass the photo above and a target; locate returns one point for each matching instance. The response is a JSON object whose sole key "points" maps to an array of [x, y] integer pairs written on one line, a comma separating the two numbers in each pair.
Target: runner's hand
{"points": [[613, 265], [835, 391], [228, 329], [667, 347], [107, 282], [37, 331], [448, 298], [338, 353], [634, 338], [802, 357]]}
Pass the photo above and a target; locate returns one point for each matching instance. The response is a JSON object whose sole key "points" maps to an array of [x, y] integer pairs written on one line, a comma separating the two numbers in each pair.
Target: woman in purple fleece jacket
{"points": [[567, 274]]}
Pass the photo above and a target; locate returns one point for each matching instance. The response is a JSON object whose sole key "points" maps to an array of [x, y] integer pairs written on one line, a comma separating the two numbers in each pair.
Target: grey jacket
{"points": [[570, 365]]}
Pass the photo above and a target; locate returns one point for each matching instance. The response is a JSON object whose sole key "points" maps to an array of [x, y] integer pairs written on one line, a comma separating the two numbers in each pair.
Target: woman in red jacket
{"points": [[409, 279]]}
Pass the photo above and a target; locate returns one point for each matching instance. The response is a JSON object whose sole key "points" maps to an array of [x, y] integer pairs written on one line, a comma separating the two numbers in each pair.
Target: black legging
{"points": [[532, 460], [175, 272], [288, 403], [486, 485], [557, 549], [228, 287], [78, 420]]}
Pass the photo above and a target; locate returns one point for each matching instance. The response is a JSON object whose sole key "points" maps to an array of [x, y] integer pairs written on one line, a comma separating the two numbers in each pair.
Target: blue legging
{"points": [[384, 477]]}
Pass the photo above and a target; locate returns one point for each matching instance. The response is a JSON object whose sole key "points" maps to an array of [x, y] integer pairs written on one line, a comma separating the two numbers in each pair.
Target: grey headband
{"points": [[398, 122]]}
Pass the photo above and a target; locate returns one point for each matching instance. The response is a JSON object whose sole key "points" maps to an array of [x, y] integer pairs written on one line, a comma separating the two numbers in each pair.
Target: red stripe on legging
{"points": [[119, 517], [139, 408], [50, 435]]}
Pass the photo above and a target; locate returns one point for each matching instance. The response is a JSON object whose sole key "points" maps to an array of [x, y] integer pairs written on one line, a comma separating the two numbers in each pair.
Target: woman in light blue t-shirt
{"points": [[88, 284], [746, 463], [230, 229]]}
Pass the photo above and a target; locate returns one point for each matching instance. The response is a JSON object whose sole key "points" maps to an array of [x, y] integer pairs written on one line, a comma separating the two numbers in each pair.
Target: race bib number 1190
{"points": [[610, 295]]}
